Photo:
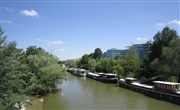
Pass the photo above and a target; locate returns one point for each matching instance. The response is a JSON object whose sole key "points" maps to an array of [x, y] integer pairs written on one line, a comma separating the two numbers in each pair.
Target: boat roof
{"points": [[93, 74], [101, 73], [128, 78], [178, 92], [110, 74], [142, 85], [168, 83], [81, 69], [122, 79]]}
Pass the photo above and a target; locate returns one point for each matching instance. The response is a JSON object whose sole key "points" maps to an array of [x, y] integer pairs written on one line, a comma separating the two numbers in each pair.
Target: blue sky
{"points": [[71, 28]]}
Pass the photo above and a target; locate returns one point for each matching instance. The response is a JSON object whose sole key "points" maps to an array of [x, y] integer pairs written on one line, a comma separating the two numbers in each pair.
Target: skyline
{"points": [[70, 29]]}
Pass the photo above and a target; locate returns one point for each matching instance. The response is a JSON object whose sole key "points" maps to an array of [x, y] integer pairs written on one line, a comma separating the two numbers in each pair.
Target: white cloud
{"points": [[31, 13], [6, 21], [50, 42], [56, 42], [160, 24], [41, 40], [175, 21], [9, 9], [141, 38], [170, 23], [61, 50]]}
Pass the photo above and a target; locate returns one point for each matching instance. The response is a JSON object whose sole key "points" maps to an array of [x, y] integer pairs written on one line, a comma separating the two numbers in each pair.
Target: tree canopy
{"points": [[26, 74]]}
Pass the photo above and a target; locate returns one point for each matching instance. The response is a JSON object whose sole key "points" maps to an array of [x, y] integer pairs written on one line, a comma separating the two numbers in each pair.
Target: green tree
{"points": [[92, 65], [131, 63], [35, 72], [105, 65], [97, 54], [118, 70], [170, 59], [83, 63], [46, 72], [72, 63], [11, 83], [161, 40]]}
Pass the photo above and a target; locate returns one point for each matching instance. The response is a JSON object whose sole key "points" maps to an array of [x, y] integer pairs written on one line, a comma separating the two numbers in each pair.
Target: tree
{"points": [[33, 50], [35, 72], [105, 65], [92, 65], [171, 58], [131, 63], [83, 63], [97, 54], [72, 63], [11, 83], [118, 70], [161, 40], [45, 71]]}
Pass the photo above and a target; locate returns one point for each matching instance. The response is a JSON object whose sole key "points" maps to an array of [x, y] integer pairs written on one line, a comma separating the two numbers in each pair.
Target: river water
{"points": [[80, 93]]}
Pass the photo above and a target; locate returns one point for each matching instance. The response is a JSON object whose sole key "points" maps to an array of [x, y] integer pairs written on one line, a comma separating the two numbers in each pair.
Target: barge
{"points": [[78, 71], [167, 91], [108, 78]]}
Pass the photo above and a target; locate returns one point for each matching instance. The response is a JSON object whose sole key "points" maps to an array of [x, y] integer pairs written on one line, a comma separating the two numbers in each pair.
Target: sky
{"points": [[71, 28]]}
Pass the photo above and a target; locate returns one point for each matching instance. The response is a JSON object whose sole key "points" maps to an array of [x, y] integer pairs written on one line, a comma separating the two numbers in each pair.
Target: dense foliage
{"points": [[160, 40], [25, 74]]}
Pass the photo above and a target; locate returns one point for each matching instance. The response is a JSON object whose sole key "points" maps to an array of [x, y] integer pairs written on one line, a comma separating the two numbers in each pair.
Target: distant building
{"points": [[142, 51], [112, 53]]}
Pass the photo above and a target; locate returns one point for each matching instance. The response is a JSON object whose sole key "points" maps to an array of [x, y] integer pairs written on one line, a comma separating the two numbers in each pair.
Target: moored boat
{"points": [[170, 92]]}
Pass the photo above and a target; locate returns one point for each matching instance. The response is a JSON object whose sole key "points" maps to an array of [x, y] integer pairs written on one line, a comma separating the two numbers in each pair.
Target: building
{"points": [[142, 51], [112, 53]]}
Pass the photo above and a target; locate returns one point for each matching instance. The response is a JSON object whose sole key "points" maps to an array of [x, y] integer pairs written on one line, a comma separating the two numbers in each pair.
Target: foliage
{"points": [[161, 40], [170, 59], [83, 63], [92, 65], [11, 83], [71, 63], [105, 65], [97, 54], [131, 63], [35, 72], [46, 71]]}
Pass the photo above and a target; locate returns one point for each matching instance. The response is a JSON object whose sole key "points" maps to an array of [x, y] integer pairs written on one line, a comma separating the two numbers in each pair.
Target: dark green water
{"points": [[86, 94]]}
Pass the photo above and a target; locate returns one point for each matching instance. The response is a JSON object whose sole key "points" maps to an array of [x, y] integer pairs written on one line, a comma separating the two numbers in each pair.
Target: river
{"points": [[80, 93]]}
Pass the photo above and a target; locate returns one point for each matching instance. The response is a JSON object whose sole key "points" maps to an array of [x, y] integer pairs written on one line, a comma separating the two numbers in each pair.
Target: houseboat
{"points": [[167, 91], [169, 87], [92, 75], [72, 70], [78, 71], [81, 72], [108, 78]]}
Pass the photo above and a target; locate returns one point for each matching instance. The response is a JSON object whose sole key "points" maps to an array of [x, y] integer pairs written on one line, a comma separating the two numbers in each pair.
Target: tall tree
{"points": [[83, 63], [97, 54], [92, 65], [45, 71], [131, 63], [161, 40], [11, 83], [71, 63], [171, 59]]}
